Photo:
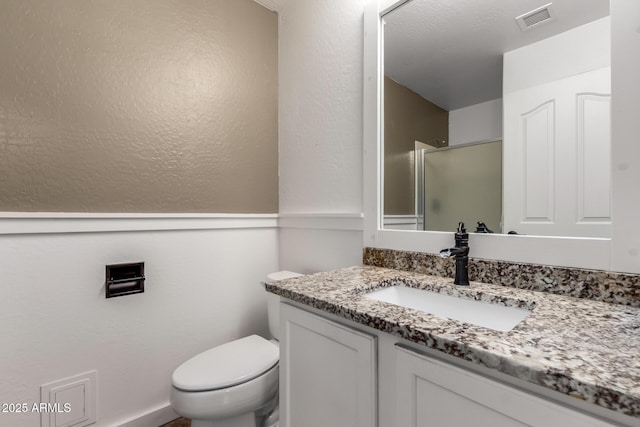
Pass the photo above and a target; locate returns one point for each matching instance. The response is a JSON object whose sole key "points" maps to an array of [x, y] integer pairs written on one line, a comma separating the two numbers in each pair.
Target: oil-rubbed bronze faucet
{"points": [[461, 252]]}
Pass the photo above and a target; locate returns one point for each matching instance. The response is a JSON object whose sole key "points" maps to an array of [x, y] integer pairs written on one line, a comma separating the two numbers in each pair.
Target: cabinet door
{"points": [[327, 372], [436, 394]]}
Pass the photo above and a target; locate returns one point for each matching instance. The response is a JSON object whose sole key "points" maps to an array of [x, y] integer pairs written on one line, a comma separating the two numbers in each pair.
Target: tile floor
{"points": [[180, 422]]}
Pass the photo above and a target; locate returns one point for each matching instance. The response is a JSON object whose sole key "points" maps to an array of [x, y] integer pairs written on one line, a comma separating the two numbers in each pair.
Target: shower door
{"points": [[461, 183]]}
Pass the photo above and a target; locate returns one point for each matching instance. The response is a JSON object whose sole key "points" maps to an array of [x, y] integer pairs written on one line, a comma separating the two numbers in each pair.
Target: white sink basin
{"points": [[480, 313]]}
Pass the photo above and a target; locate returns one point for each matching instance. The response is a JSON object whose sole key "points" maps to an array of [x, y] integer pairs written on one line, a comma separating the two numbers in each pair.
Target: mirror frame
{"points": [[621, 252]]}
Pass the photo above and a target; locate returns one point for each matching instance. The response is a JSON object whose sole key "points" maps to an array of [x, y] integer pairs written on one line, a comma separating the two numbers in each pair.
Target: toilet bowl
{"points": [[234, 384]]}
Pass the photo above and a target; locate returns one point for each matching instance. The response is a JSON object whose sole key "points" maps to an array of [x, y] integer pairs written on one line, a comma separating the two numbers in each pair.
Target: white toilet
{"points": [[234, 384]]}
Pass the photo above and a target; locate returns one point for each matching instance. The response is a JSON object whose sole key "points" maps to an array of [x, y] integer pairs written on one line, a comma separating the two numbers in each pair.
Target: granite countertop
{"points": [[586, 349]]}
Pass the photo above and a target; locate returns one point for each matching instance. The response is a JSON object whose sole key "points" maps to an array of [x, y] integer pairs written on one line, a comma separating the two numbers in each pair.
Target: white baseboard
{"points": [[154, 418]]}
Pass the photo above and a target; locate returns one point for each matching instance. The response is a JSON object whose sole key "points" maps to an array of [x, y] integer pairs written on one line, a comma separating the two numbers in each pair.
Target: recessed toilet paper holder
{"points": [[124, 279]]}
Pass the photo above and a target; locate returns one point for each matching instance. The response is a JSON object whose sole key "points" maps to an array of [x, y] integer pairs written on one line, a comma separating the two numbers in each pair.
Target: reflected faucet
{"points": [[461, 252]]}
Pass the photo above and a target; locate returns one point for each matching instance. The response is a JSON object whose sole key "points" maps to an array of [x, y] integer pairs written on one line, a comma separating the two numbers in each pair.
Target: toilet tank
{"points": [[273, 301]]}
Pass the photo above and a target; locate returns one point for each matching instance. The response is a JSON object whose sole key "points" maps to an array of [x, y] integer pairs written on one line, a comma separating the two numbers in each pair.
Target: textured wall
{"points": [[320, 111], [320, 106], [144, 106], [408, 117]]}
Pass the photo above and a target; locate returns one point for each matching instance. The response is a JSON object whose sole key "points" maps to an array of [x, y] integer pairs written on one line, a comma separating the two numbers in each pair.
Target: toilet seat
{"points": [[241, 360], [252, 396]]}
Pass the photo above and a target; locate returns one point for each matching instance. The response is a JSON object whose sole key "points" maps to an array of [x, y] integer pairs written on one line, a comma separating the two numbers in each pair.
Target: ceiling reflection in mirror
{"points": [[498, 112]]}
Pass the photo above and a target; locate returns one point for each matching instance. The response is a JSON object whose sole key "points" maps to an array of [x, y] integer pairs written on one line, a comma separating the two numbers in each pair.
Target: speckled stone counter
{"points": [[584, 348]]}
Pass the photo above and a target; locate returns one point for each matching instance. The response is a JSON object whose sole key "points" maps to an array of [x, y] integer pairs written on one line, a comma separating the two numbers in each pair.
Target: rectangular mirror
{"points": [[497, 112]]}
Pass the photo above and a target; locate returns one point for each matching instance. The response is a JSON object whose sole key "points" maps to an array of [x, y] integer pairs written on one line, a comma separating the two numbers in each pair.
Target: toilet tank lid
{"points": [[281, 275], [226, 365]]}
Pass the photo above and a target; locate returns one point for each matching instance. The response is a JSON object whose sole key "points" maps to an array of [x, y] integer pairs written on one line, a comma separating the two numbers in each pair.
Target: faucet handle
{"points": [[445, 253], [482, 228], [461, 228]]}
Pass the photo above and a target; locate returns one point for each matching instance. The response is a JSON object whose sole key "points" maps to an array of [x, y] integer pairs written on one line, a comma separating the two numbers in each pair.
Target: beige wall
{"points": [[407, 118], [138, 106]]}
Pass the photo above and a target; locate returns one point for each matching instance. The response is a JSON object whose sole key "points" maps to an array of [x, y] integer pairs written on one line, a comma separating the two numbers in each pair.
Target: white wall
{"points": [[479, 122], [320, 113], [625, 93], [309, 250], [202, 289], [585, 48], [320, 106]]}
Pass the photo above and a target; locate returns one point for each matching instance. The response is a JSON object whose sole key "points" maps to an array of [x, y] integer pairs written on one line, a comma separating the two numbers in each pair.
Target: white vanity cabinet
{"points": [[327, 372], [340, 373], [431, 393]]}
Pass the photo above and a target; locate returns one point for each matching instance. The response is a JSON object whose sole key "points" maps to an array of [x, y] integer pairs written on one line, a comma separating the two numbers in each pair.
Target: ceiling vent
{"points": [[536, 17]]}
